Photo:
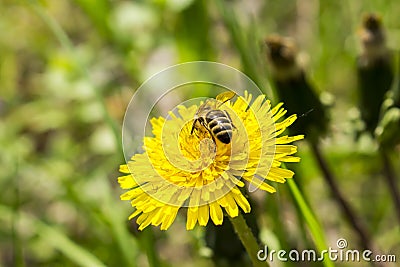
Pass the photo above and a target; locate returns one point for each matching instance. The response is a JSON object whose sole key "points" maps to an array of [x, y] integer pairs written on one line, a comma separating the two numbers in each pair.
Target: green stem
{"points": [[248, 240], [344, 205], [390, 178], [17, 243], [312, 222], [148, 243]]}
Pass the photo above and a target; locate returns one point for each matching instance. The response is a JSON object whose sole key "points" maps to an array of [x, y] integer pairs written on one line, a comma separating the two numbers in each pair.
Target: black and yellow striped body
{"points": [[217, 122]]}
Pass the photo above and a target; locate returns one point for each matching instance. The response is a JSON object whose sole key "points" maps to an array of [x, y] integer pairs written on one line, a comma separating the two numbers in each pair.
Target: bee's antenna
{"points": [[306, 113]]}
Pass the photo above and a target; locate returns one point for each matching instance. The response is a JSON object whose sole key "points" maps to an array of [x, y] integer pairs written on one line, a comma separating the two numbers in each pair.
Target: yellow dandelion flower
{"points": [[194, 170]]}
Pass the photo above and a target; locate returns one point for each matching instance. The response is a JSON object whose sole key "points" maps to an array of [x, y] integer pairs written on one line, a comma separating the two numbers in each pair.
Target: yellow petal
{"points": [[242, 202], [131, 194], [285, 149], [136, 213], [124, 168], [288, 139], [203, 215], [261, 185], [278, 172], [192, 216], [142, 218], [195, 198], [127, 182], [232, 209], [158, 217], [275, 109], [216, 213], [172, 212], [146, 222], [290, 159]]}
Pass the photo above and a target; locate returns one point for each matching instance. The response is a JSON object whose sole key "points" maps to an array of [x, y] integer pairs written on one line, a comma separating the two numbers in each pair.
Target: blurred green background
{"points": [[67, 72]]}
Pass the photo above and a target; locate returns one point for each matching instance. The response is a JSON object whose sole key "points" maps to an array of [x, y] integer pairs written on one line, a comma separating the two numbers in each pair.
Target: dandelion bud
{"points": [[374, 71], [294, 89]]}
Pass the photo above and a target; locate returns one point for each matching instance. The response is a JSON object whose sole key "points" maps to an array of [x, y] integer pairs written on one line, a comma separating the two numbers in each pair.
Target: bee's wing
{"points": [[225, 96], [204, 107]]}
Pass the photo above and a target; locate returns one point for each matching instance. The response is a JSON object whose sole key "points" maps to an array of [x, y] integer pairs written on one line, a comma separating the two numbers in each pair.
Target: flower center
{"points": [[196, 146]]}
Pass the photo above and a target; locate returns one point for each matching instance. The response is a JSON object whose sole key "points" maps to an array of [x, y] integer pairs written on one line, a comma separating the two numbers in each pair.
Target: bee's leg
{"points": [[194, 122]]}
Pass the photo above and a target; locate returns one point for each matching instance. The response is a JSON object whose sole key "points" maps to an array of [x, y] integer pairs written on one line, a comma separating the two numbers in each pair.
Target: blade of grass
{"points": [[299, 215], [57, 239], [67, 44], [64, 40], [118, 227], [339, 197], [106, 213], [246, 42], [73, 251], [98, 15], [100, 18], [17, 244], [391, 180], [312, 222]]}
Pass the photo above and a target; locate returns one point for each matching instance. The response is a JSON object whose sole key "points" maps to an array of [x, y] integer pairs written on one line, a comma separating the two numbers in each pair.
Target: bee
{"points": [[216, 121]]}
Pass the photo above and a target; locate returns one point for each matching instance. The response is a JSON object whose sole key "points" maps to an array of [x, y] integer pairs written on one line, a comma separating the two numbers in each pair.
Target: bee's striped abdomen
{"points": [[219, 125]]}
